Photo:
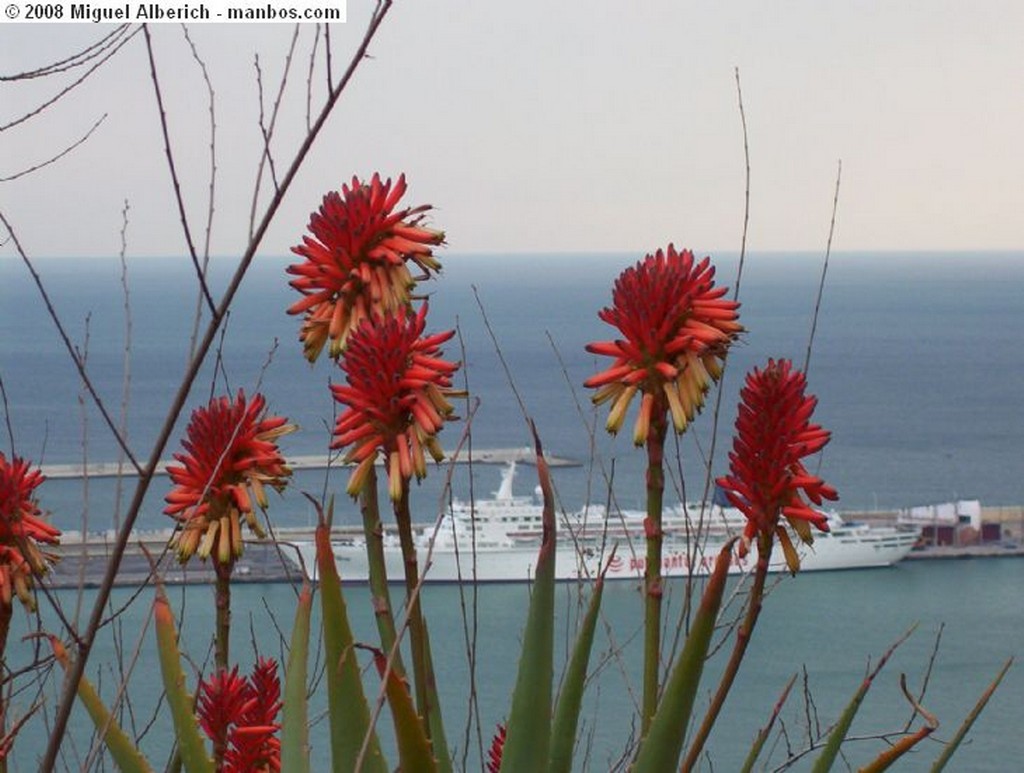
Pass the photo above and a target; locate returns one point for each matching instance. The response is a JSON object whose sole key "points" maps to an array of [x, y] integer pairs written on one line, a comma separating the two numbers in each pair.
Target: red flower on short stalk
{"points": [[766, 478], [231, 456], [239, 715], [676, 330], [22, 530], [396, 397], [356, 261]]}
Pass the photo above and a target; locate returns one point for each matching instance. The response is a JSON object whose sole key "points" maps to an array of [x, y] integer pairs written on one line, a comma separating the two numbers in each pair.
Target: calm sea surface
{"points": [[917, 363]]}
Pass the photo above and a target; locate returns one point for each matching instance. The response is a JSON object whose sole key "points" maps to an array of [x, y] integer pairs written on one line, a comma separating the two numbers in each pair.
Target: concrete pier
{"points": [[312, 462]]}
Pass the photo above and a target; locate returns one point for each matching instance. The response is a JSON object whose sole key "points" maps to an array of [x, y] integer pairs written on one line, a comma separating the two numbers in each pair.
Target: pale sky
{"points": [[570, 126]]}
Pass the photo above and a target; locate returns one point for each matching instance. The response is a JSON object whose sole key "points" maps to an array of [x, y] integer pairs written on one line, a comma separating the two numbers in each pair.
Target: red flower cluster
{"points": [[396, 397], [21, 531], [495, 753], [240, 716], [676, 330], [356, 261], [766, 478], [231, 456]]}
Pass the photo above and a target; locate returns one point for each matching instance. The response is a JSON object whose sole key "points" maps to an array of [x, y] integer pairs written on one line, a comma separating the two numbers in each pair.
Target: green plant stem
{"points": [[415, 615], [743, 635], [5, 626], [653, 588], [222, 601], [383, 611]]}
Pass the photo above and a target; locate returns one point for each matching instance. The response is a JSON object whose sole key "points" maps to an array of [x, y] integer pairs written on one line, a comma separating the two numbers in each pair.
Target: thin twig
{"points": [[53, 159], [174, 174], [56, 98], [213, 179], [75, 60], [126, 380], [79, 365], [824, 269], [267, 131]]}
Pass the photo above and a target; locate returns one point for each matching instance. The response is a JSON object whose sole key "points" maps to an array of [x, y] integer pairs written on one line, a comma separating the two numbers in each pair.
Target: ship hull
{"points": [[848, 549]]}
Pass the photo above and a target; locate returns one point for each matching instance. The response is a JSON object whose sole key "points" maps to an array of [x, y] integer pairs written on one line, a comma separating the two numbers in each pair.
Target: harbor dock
{"points": [[308, 462]]}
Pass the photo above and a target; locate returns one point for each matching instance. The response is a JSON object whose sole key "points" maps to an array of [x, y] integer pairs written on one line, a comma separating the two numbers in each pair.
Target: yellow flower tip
{"points": [[225, 548], [788, 550], [675, 405], [207, 543], [617, 414], [357, 480], [643, 420], [395, 476], [434, 447]]}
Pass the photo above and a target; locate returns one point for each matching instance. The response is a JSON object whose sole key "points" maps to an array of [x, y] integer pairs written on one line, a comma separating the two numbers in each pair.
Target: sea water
{"points": [[917, 362]]}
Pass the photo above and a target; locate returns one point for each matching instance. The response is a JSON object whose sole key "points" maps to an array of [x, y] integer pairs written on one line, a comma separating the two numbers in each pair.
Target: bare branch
{"points": [[174, 174], [57, 97], [59, 156], [79, 364], [213, 179], [267, 131], [75, 60], [824, 269]]}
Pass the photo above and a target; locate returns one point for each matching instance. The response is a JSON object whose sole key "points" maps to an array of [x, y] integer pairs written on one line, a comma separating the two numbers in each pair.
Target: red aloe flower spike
{"points": [[767, 479], [494, 754], [676, 331], [252, 742], [223, 697], [356, 261], [22, 530], [231, 457], [396, 397]]}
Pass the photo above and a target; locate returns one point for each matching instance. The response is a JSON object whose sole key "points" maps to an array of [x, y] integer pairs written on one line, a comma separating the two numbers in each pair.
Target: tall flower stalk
{"points": [[396, 397], [231, 458], [676, 329], [767, 481]]}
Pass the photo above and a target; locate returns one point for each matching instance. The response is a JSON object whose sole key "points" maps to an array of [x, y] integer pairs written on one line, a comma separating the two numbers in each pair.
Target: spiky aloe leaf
{"points": [[954, 742], [295, 725], [123, 751], [529, 724], [414, 751], [567, 709], [835, 739], [349, 712], [437, 735], [190, 743], [661, 747]]}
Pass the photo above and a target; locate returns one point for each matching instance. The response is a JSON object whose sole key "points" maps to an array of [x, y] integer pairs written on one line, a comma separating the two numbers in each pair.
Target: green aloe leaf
{"points": [[438, 739], [123, 750], [191, 747], [295, 727], [835, 739], [414, 751], [349, 712], [661, 747], [955, 741], [529, 724], [567, 710]]}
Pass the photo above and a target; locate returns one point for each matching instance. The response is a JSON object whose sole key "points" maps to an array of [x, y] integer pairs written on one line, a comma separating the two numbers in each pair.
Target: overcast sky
{"points": [[536, 126]]}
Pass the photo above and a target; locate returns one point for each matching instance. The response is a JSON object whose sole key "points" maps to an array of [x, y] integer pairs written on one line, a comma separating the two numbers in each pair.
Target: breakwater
{"points": [[308, 462]]}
